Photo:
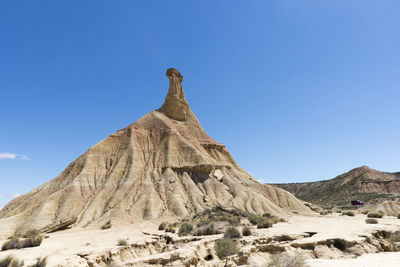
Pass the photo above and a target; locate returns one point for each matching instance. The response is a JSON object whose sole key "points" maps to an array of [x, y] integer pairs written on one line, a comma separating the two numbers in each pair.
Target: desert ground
{"points": [[313, 237]]}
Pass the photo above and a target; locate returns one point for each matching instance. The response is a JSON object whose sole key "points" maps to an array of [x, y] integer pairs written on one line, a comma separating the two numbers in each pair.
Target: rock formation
{"points": [[164, 164]]}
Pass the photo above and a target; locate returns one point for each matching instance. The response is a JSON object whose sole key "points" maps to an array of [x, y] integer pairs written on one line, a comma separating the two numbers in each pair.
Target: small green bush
{"points": [[10, 261], [246, 231], [231, 233], [31, 233], [348, 213], [225, 248], [162, 226], [375, 215], [185, 229], [122, 242], [371, 221]]}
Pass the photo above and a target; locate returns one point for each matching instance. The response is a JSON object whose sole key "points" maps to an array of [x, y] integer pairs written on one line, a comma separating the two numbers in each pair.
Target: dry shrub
{"points": [[395, 237], [365, 212], [12, 243], [206, 230], [398, 216], [324, 212], [348, 213], [31, 233], [106, 226], [371, 221], [41, 262], [162, 226], [32, 242], [246, 231], [16, 243], [185, 229], [287, 260], [266, 223], [231, 233], [10, 261], [170, 229], [225, 248], [375, 215], [122, 242]]}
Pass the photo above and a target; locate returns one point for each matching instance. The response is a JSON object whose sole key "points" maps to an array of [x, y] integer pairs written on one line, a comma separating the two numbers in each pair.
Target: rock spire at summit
{"points": [[175, 105]]}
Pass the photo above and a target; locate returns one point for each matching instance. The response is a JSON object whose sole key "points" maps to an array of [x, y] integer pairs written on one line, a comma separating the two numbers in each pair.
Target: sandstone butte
{"points": [[163, 165]]}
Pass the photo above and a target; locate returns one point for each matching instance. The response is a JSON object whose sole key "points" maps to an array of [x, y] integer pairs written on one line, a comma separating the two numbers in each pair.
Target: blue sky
{"points": [[297, 90]]}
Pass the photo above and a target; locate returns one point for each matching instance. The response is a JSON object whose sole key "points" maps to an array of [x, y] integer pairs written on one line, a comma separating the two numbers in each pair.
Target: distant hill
{"points": [[361, 183]]}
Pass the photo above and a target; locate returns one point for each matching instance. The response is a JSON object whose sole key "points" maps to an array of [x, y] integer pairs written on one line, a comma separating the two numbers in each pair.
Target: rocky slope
{"points": [[162, 165], [361, 183]]}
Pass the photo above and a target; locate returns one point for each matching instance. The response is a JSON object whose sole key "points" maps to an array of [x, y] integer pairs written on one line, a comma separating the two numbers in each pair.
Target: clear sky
{"points": [[297, 90]]}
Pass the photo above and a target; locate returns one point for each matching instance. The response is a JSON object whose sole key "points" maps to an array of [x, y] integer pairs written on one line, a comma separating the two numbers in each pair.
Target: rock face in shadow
{"points": [[164, 164]]}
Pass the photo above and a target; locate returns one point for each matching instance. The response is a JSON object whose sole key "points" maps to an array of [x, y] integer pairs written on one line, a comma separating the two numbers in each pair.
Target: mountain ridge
{"points": [[362, 183]]}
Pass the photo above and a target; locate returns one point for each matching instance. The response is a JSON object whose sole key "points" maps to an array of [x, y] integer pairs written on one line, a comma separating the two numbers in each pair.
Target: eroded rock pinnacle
{"points": [[175, 105]]}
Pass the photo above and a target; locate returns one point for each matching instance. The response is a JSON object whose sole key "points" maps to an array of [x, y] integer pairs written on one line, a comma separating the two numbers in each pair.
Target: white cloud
{"points": [[6, 155]]}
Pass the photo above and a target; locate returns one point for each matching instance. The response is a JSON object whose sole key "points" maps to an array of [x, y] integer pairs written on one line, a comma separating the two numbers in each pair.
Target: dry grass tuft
{"points": [[17, 243], [287, 260], [122, 242], [371, 221], [41, 262], [348, 213], [31, 233], [106, 226], [10, 261], [375, 215], [162, 226]]}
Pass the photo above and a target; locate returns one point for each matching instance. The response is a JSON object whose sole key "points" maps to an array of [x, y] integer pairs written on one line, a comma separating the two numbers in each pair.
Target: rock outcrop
{"points": [[164, 164]]}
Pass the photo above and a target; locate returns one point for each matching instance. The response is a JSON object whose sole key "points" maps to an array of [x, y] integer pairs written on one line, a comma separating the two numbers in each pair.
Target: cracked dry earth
{"points": [[330, 240]]}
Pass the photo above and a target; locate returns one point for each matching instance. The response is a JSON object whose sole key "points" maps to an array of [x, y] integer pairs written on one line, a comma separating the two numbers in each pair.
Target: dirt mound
{"points": [[164, 164]]}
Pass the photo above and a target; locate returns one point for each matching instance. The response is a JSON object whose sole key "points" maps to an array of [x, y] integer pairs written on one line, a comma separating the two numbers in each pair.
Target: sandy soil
{"points": [[384, 259], [64, 246]]}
